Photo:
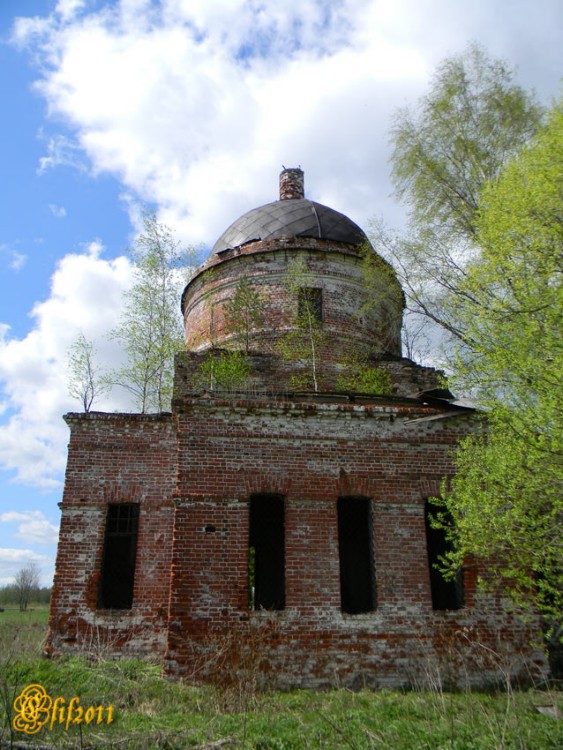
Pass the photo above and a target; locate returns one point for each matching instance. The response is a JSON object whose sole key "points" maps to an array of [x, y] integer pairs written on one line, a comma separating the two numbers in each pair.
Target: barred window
{"points": [[119, 556]]}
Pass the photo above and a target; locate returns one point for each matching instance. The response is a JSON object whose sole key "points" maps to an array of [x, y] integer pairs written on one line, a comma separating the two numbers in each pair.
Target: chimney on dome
{"points": [[291, 184]]}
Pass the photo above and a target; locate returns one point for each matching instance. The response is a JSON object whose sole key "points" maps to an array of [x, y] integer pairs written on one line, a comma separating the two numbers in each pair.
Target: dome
{"points": [[291, 216]]}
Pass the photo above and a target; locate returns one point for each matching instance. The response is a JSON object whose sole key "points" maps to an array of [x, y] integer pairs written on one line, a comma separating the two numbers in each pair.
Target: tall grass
{"points": [[151, 712]]}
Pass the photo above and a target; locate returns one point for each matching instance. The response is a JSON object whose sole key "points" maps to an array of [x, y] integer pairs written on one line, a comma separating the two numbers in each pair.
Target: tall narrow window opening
{"points": [[266, 558], [355, 546], [310, 307], [120, 552], [446, 594]]}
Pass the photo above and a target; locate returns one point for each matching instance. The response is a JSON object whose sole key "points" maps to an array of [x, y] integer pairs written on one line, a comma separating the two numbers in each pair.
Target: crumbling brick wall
{"points": [[335, 267], [114, 458], [194, 474], [312, 454]]}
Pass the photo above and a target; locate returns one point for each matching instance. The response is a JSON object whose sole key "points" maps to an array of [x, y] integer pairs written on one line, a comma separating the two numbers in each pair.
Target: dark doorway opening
{"points": [[266, 559]]}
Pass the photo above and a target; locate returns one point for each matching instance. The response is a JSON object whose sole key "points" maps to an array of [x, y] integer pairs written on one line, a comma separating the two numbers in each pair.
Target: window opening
{"points": [[310, 304], [355, 548], [266, 557], [120, 552], [446, 594]]}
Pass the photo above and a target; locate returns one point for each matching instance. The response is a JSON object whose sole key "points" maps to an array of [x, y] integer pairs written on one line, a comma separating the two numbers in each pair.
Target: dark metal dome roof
{"points": [[295, 217]]}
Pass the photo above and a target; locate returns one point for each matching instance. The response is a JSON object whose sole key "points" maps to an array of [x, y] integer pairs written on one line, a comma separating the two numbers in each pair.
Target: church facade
{"points": [[281, 521]]}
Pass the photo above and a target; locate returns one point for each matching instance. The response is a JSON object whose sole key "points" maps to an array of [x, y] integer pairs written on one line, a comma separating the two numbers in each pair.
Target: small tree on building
{"points": [[306, 339], [84, 380], [244, 312], [150, 328]]}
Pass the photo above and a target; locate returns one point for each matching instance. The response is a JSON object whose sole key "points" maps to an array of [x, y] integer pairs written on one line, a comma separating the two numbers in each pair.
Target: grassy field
{"points": [[150, 712]]}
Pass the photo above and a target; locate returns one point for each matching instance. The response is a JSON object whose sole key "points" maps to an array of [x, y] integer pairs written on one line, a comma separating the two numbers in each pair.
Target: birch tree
{"points": [[506, 498], [304, 341], [151, 330], [244, 312], [85, 380], [459, 137]]}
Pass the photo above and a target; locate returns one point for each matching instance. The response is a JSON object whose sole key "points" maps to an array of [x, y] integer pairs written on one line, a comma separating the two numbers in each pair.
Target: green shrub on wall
{"points": [[372, 380], [224, 371]]}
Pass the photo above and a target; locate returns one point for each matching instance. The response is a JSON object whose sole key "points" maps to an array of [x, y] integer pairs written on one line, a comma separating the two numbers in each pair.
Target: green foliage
{"points": [[151, 329], [512, 302], [384, 294], [244, 312], [302, 381], [466, 129], [365, 379], [85, 382], [9, 595], [461, 136], [224, 371], [482, 260], [506, 497], [506, 507], [306, 339]]}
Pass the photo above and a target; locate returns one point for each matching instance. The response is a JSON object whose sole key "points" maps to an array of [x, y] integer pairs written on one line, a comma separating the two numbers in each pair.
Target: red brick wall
{"points": [[193, 474], [114, 458], [271, 373], [312, 454]]}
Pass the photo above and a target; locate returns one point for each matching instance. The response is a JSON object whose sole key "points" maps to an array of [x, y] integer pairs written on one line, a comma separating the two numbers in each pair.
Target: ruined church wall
{"points": [[272, 374], [114, 458], [312, 454]]}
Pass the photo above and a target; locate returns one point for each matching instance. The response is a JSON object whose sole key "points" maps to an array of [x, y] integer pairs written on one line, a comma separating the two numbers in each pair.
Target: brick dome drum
{"points": [[262, 246]]}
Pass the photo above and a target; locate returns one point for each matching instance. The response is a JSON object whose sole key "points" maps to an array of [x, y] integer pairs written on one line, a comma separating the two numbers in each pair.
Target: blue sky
{"points": [[189, 107]]}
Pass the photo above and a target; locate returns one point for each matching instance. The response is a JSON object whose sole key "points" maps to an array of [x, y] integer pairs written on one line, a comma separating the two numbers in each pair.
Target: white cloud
{"points": [[213, 97], [69, 8], [195, 104], [15, 260], [20, 556], [86, 296], [59, 212], [26, 29], [201, 102], [33, 527]]}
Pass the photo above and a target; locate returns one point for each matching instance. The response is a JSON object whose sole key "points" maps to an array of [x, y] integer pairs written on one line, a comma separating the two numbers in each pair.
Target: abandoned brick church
{"points": [[282, 524]]}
